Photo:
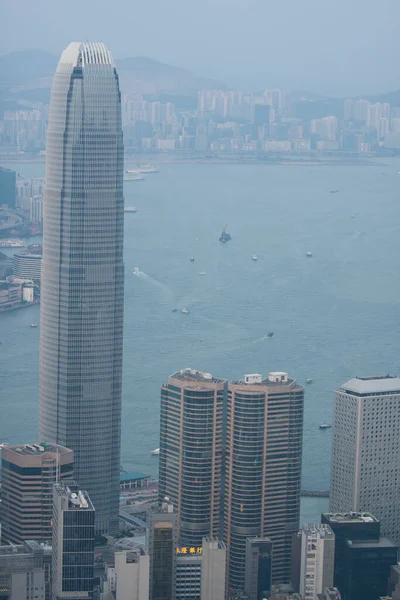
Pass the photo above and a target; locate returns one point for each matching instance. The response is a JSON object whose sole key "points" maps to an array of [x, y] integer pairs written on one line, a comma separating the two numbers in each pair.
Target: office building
{"points": [[363, 558], [25, 571], [132, 570], [191, 425], [161, 540], [188, 567], [213, 569], [72, 543], [28, 473], [258, 568], [317, 560], [82, 287], [394, 582], [263, 470], [28, 263], [8, 187], [365, 450]]}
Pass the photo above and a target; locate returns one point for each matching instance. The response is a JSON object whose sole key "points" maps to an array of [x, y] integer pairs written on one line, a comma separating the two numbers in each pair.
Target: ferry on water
{"points": [[12, 244], [133, 175], [130, 209], [155, 452], [324, 426], [254, 257]]}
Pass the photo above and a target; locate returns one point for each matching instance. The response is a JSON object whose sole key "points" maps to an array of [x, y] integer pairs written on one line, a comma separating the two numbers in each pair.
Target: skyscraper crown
{"points": [[79, 54]]}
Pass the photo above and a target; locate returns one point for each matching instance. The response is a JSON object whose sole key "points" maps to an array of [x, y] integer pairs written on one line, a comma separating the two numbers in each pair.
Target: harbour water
{"points": [[334, 315]]}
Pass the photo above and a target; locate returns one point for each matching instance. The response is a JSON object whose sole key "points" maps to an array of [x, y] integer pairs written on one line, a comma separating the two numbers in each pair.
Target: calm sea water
{"points": [[335, 315]]}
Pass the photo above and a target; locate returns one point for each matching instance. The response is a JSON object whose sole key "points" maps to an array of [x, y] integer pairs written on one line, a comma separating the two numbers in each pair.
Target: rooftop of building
{"points": [[274, 379], [32, 251], [351, 517], [192, 376], [212, 539], [372, 385], [321, 529], [36, 449], [78, 499]]}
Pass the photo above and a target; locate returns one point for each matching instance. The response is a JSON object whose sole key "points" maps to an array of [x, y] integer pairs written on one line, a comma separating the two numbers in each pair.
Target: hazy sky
{"points": [[339, 47]]}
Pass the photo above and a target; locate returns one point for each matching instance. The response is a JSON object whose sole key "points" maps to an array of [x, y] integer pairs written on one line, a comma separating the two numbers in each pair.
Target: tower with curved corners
{"points": [[82, 288]]}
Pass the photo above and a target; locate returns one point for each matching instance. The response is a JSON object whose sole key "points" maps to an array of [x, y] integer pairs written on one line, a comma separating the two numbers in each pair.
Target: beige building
{"points": [[262, 470], [191, 428], [28, 474], [213, 569], [132, 572]]}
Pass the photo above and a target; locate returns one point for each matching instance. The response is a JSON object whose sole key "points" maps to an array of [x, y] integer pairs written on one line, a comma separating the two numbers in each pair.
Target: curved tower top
{"points": [[80, 54], [82, 282]]}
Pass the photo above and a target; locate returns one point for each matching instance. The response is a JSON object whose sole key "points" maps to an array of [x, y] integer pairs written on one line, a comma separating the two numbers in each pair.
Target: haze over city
{"points": [[338, 48]]}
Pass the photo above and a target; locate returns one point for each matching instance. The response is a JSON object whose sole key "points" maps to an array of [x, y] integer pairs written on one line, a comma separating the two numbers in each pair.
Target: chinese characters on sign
{"points": [[185, 550]]}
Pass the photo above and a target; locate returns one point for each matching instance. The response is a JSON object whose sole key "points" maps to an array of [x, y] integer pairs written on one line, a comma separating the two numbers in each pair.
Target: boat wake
{"points": [[152, 281]]}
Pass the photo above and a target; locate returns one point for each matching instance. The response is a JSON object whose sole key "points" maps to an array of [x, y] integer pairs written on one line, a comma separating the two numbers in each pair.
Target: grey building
{"points": [[82, 288], [8, 187], [191, 429], [258, 568], [25, 571], [72, 543], [365, 450], [188, 575], [213, 569], [161, 542], [262, 470], [317, 560]]}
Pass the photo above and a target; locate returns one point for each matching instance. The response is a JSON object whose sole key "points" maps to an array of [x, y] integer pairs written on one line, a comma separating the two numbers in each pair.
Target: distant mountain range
{"points": [[27, 75], [23, 73]]}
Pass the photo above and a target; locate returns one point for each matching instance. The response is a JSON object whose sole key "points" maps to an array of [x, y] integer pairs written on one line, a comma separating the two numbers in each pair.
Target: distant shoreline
{"points": [[164, 159]]}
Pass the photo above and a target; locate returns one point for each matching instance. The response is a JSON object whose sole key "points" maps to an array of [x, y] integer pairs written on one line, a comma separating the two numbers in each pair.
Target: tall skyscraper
{"points": [[29, 472], [365, 450], [263, 470], [83, 274], [73, 543], [317, 560], [191, 452]]}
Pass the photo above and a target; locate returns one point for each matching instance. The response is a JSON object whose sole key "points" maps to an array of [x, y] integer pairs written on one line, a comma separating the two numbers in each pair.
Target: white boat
{"points": [[324, 426], [191, 258], [309, 254], [185, 311], [133, 175], [309, 380], [148, 168], [136, 271], [155, 452], [254, 257], [202, 273], [130, 209], [12, 244], [33, 325]]}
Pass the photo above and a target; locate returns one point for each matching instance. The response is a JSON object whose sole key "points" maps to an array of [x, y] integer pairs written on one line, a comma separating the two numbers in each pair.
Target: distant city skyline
{"points": [[332, 48]]}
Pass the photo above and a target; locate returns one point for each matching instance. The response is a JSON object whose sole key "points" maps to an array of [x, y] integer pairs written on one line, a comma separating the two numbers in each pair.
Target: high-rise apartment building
{"points": [[28, 474], [263, 470], [317, 560], [365, 450], [191, 430], [72, 543], [161, 540], [82, 293], [258, 568]]}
